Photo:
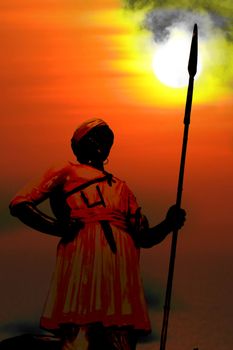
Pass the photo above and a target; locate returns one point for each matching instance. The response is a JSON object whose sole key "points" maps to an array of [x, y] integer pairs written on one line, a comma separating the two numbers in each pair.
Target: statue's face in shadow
{"points": [[95, 146]]}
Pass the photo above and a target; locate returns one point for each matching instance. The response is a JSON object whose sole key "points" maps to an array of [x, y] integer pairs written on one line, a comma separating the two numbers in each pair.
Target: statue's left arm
{"points": [[150, 236]]}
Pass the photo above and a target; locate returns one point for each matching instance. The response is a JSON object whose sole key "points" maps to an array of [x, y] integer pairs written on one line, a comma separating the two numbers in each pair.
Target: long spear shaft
{"points": [[192, 69]]}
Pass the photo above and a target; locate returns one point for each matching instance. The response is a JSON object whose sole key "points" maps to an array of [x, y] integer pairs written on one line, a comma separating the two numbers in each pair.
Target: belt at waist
{"points": [[91, 215]]}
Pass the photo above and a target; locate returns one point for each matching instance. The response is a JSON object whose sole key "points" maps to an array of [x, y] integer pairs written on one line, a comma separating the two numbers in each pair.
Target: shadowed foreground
{"points": [[31, 341]]}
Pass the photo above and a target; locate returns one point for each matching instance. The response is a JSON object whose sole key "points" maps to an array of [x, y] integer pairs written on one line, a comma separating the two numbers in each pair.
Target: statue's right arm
{"points": [[30, 215], [24, 204]]}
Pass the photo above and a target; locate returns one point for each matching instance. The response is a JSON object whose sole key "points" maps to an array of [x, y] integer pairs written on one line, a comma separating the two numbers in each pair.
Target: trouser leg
{"points": [[121, 339], [96, 337], [75, 338], [111, 338]]}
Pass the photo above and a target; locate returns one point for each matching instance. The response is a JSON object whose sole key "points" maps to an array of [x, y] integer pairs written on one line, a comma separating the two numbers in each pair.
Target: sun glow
{"points": [[171, 59], [129, 64]]}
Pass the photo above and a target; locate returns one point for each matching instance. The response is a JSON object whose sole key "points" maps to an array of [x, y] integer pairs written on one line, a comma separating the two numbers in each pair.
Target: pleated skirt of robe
{"points": [[91, 284]]}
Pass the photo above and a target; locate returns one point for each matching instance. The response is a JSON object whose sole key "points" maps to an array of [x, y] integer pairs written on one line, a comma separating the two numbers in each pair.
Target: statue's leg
{"points": [[95, 337], [121, 339], [75, 338]]}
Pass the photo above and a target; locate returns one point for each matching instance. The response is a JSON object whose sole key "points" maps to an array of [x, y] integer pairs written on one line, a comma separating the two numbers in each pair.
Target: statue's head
{"points": [[92, 142]]}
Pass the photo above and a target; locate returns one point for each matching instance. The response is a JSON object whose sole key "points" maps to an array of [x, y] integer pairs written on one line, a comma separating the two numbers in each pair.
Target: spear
{"points": [[192, 69]]}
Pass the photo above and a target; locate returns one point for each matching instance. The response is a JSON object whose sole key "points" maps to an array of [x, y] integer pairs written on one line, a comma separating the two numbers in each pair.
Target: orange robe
{"points": [[90, 283]]}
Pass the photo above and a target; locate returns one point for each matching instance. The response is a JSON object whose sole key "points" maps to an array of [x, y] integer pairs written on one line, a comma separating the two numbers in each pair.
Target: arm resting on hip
{"points": [[28, 213]]}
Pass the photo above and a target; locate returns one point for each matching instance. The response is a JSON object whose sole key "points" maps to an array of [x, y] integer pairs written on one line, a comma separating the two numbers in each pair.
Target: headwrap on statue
{"points": [[85, 127], [96, 145]]}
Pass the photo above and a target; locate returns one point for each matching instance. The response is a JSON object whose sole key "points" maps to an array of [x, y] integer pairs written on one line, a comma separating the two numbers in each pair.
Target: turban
{"points": [[85, 127]]}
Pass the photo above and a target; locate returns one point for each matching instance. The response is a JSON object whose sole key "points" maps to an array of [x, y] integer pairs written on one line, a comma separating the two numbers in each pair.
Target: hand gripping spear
{"points": [[192, 69]]}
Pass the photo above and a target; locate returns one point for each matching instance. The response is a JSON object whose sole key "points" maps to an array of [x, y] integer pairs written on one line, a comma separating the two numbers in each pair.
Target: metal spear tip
{"points": [[192, 65]]}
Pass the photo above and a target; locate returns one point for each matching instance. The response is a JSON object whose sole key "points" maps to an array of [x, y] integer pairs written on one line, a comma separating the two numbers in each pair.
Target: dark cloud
{"points": [[162, 16], [224, 7], [161, 22]]}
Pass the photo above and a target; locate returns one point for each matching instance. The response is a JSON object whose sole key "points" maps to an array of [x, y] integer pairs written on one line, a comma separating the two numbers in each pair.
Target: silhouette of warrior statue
{"points": [[96, 298]]}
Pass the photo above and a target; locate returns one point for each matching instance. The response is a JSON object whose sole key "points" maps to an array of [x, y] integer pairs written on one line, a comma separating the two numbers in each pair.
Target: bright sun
{"points": [[170, 60]]}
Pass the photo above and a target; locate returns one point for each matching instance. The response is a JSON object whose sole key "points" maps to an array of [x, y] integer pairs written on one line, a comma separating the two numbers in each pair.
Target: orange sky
{"points": [[59, 66]]}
